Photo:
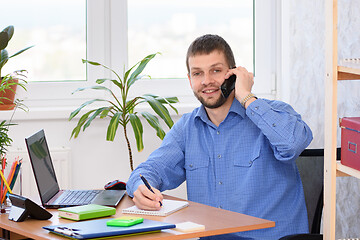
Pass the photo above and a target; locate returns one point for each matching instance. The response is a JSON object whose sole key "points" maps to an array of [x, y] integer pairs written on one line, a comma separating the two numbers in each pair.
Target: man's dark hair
{"points": [[207, 44]]}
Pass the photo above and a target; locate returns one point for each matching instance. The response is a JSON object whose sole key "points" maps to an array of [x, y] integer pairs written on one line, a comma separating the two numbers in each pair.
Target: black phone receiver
{"points": [[228, 86]]}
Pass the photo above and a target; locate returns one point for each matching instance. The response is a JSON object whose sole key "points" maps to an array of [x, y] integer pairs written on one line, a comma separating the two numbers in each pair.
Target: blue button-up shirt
{"points": [[246, 164]]}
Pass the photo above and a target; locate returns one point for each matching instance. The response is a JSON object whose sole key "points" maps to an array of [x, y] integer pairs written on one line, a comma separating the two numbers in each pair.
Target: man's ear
{"points": [[189, 80]]}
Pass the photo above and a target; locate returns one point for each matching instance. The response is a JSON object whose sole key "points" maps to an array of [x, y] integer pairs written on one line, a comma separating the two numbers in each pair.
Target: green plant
{"points": [[8, 83], [5, 140], [121, 110], [5, 36]]}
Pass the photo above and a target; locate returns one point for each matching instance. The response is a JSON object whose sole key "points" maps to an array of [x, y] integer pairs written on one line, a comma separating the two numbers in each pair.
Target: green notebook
{"points": [[86, 212]]}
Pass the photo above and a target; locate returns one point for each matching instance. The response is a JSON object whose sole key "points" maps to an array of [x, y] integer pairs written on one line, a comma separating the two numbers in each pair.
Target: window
{"points": [[114, 28], [170, 27], [57, 33]]}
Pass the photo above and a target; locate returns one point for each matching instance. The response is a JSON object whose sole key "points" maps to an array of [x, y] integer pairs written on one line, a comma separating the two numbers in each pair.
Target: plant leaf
{"points": [[21, 51], [10, 31], [96, 113], [94, 88], [75, 132], [106, 111], [4, 40], [168, 100], [159, 109], [91, 62], [139, 69], [75, 112], [154, 122], [113, 125], [138, 131], [102, 80], [3, 58]]}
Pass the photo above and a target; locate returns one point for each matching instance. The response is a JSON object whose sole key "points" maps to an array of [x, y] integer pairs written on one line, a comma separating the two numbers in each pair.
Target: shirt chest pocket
{"points": [[247, 158], [197, 164], [197, 174]]}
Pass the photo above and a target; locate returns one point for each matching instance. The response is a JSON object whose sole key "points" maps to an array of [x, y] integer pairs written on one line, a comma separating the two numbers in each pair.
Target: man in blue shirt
{"points": [[236, 153]]}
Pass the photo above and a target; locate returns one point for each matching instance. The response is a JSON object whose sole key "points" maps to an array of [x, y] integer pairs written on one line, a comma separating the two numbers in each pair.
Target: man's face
{"points": [[207, 73]]}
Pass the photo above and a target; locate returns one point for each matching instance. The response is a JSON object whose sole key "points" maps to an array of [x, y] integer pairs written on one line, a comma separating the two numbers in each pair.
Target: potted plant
{"points": [[9, 82], [121, 110]]}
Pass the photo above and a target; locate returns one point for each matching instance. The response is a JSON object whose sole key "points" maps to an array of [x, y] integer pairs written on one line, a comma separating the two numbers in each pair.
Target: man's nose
{"points": [[207, 79]]}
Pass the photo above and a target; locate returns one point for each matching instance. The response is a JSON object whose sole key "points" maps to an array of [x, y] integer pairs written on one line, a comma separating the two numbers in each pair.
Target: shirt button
{"points": [[220, 206], [250, 162], [220, 183], [274, 125], [252, 113], [191, 165], [256, 108], [218, 132], [219, 156]]}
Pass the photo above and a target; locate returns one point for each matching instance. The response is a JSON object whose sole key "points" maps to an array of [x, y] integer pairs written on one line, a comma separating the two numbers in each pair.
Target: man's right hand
{"points": [[146, 200]]}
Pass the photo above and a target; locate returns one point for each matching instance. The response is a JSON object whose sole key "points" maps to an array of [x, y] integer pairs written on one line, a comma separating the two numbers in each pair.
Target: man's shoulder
{"points": [[192, 115], [276, 103], [188, 118]]}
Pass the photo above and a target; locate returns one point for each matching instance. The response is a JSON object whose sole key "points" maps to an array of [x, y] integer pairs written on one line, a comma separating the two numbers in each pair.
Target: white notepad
{"points": [[169, 206]]}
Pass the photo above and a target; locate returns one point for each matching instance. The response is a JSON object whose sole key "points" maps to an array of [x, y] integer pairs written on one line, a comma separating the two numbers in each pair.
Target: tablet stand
{"points": [[23, 207]]}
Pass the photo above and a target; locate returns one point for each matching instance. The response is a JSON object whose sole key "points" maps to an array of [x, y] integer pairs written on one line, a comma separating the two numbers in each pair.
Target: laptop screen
{"points": [[42, 166]]}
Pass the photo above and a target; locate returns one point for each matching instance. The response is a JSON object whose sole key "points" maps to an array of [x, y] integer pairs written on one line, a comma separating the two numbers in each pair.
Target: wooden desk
{"points": [[226, 222]]}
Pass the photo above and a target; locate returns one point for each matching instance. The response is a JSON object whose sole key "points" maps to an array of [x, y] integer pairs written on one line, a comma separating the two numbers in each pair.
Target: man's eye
{"points": [[196, 74]]}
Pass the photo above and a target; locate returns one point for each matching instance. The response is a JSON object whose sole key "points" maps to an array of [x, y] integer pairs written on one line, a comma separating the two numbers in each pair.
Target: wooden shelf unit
{"points": [[333, 73]]}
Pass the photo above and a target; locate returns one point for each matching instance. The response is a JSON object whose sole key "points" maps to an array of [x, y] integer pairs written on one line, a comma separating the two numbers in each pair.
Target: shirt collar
{"points": [[236, 108]]}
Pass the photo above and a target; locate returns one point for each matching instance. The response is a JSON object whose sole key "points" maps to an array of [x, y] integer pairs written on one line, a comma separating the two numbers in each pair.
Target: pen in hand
{"points": [[148, 186]]}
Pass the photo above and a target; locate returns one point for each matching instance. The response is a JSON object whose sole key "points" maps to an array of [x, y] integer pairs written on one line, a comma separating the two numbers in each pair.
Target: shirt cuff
{"points": [[131, 189], [257, 108]]}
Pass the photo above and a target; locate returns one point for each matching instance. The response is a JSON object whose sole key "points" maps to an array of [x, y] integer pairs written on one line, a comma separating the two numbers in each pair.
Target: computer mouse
{"points": [[115, 185]]}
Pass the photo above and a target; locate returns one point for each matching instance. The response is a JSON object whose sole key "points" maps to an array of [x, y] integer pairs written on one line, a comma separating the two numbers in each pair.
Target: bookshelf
{"points": [[347, 69]]}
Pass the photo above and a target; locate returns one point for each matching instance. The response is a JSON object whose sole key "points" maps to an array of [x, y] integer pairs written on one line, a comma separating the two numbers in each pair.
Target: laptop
{"points": [[50, 194]]}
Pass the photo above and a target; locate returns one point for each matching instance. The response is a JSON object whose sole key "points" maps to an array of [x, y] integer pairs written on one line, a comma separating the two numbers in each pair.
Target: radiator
{"points": [[25, 184]]}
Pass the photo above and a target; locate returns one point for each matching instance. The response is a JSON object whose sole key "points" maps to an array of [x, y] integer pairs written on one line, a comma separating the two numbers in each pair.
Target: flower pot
{"points": [[7, 97]]}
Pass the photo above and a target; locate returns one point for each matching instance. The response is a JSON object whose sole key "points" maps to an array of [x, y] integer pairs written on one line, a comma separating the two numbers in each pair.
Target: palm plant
{"points": [[121, 110]]}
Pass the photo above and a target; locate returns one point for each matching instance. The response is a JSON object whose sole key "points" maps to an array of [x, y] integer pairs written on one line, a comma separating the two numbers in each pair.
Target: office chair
{"points": [[311, 167]]}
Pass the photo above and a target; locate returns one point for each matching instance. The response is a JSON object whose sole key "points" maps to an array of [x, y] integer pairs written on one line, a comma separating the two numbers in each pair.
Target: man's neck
{"points": [[217, 115]]}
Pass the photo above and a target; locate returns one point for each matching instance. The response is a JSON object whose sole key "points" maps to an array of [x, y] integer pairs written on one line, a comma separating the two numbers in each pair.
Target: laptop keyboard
{"points": [[78, 197]]}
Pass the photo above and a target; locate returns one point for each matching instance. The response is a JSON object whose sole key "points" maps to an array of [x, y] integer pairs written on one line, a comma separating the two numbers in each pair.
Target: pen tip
{"points": [[140, 175]]}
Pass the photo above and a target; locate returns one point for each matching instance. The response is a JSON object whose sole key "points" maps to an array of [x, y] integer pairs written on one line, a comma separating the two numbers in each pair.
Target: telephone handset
{"points": [[228, 86]]}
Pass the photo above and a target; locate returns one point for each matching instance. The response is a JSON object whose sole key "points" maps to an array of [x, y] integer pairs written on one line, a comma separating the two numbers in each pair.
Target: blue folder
{"points": [[99, 229]]}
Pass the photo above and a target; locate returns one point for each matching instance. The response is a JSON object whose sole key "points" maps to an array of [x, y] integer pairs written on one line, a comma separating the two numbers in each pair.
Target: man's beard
{"points": [[219, 102]]}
